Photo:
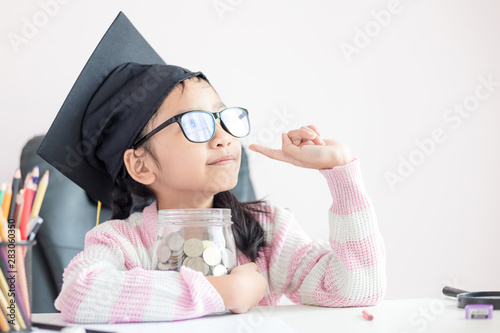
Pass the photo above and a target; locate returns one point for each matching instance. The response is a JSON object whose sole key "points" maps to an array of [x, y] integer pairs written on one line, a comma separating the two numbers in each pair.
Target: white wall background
{"points": [[441, 225]]}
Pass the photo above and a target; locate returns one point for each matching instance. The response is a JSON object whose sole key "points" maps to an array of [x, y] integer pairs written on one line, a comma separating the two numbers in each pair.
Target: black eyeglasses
{"points": [[199, 126]]}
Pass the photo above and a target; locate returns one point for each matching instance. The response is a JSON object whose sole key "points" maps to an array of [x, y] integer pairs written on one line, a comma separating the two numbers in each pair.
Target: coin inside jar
{"points": [[228, 258], [186, 260], [212, 255], [199, 265], [219, 270], [164, 253], [163, 267], [207, 243], [193, 247], [175, 241]]}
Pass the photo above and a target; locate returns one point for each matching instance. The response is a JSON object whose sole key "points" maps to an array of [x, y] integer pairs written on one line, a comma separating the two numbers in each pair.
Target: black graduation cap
{"points": [[119, 89]]}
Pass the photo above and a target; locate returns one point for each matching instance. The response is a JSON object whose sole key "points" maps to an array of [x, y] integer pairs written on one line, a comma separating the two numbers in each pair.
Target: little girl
{"points": [[187, 155]]}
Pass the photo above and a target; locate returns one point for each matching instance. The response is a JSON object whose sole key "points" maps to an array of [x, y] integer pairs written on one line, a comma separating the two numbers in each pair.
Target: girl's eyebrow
{"points": [[217, 106]]}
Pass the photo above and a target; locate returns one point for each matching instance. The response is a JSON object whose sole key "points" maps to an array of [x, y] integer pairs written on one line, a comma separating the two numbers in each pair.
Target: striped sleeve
{"points": [[111, 281], [347, 269]]}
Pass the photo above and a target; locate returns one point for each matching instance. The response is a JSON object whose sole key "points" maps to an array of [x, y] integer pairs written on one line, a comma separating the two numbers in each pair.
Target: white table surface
{"points": [[398, 316]]}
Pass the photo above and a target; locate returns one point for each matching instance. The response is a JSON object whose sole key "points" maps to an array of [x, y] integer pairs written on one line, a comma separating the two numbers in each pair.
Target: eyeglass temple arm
{"points": [[153, 132]]}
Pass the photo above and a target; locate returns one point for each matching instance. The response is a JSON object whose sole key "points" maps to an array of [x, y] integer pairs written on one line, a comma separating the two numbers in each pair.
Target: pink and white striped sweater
{"points": [[112, 280]]}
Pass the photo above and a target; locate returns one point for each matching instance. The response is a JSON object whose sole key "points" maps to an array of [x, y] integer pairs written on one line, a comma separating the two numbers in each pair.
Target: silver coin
{"points": [[175, 241], [193, 247], [186, 260], [199, 265], [163, 267], [178, 253], [228, 258], [164, 253], [193, 260], [219, 270], [212, 255], [207, 243]]}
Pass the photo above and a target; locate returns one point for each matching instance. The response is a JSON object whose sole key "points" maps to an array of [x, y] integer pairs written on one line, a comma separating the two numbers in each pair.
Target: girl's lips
{"points": [[223, 160]]}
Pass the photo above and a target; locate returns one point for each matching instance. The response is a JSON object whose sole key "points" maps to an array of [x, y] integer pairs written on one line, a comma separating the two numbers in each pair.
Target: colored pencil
{"points": [[4, 305], [35, 173], [32, 223], [4, 228], [40, 194], [26, 213], [28, 176], [4, 324], [34, 230], [19, 207], [15, 189], [2, 191], [20, 203], [6, 200], [21, 275], [5, 289]]}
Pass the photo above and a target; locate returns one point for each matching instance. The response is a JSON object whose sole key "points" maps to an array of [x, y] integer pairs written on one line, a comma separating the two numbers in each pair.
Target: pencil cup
{"points": [[15, 283], [200, 239]]}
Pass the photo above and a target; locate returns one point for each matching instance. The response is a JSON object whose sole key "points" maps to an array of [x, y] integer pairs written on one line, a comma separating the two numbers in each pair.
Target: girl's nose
{"points": [[221, 137]]}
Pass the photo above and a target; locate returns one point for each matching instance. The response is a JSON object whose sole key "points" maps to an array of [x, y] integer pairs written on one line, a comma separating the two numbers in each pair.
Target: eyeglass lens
{"points": [[200, 126]]}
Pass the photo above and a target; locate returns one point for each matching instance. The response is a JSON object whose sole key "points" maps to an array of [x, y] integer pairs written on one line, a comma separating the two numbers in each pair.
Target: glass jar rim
{"points": [[195, 216]]}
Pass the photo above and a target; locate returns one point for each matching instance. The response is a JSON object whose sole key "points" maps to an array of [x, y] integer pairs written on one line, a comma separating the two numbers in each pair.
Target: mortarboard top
{"points": [[119, 89]]}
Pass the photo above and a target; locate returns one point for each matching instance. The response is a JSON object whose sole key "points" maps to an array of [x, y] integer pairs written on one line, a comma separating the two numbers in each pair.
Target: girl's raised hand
{"points": [[305, 148]]}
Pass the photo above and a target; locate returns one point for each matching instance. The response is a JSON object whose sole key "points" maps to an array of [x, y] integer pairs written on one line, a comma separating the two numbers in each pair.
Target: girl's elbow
{"points": [[375, 293], [367, 293], [65, 303], [73, 298]]}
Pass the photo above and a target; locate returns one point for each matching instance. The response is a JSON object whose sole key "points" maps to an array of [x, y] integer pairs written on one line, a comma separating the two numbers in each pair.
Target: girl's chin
{"points": [[229, 186]]}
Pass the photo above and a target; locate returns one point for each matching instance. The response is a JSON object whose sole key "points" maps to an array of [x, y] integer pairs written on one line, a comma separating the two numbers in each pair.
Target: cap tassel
{"points": [[98, 213]]}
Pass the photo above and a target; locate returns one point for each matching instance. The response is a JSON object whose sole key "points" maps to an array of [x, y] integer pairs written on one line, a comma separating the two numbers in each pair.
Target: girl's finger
{"points": [[275, 154], [315, 129], [301, 134], [304, 134], [317, 140]]}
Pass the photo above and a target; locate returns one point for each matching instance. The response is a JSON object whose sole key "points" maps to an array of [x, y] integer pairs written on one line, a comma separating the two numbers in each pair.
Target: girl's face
{"points": [[185, 175]]}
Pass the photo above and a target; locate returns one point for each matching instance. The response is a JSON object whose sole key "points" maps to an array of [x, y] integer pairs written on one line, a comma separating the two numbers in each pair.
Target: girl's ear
{"points": [[139, 168]]}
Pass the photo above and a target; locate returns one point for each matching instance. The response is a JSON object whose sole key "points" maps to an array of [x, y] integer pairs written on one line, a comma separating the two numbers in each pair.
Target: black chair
{"points": [[68, 214]]}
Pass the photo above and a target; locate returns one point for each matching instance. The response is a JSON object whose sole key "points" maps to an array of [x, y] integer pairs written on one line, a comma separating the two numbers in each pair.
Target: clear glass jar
{"points": [[201, 239]]}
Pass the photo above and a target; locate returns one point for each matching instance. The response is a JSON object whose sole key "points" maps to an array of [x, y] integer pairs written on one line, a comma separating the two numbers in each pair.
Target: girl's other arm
{"points": [[349, 270]]}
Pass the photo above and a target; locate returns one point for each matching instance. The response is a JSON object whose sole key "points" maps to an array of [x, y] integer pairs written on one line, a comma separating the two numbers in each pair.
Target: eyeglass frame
{"points": [[177, 119]]}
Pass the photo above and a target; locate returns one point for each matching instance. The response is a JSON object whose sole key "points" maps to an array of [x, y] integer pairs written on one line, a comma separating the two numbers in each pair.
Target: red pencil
{"points": [[28, 201]]}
